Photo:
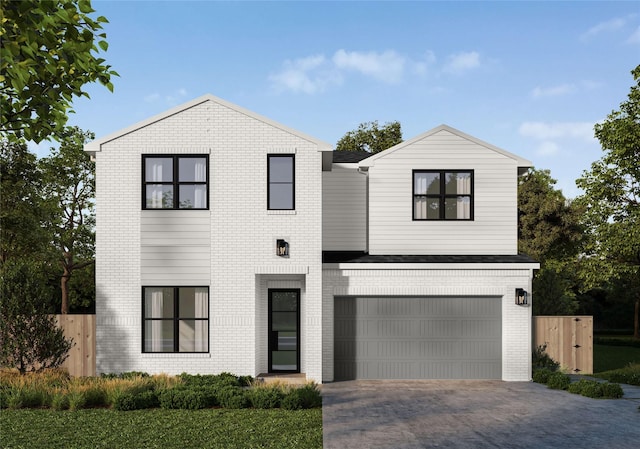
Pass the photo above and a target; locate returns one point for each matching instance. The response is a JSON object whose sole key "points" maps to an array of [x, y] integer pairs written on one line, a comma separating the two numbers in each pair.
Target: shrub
{"points": [[611, 391], [541, 375], [595, 389], [77, 399], [540, 359], [628, 375], [125, 375], [558, 381], [187, 398], [304, 397], [245, 381], [60, 401], [137, 400], [26, 397], [266, 397], [232, 397]]}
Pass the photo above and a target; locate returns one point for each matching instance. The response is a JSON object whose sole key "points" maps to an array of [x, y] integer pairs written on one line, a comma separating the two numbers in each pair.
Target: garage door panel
{"points": [[411, 338]]}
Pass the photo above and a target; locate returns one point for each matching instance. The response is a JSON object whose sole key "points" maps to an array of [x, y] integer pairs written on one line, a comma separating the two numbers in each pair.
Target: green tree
{"points": [[549, 230], [49, 52], [612, 200], [549, 224], [371, 137], [30, 339], [22, 212], [69, 186]]}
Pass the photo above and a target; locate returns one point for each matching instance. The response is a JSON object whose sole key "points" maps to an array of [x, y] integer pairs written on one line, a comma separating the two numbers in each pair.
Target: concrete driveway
{"points": [[474, 414]]}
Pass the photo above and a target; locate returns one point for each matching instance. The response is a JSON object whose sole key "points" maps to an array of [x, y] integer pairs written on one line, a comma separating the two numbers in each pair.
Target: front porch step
{"points": [[291, 379]]}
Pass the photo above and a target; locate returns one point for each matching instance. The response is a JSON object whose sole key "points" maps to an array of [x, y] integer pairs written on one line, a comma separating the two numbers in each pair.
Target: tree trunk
{"points": [[64, 288]]}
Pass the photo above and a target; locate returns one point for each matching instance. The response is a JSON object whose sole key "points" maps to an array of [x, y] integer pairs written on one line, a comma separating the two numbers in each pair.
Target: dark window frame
{"points": [[176, 320], [293, 180], [442, 196], [175, 183]]}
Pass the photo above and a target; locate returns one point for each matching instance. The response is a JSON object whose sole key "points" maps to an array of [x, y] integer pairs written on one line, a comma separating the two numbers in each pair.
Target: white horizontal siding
{"points": [[175, 247], [494, 227], [344, 216]]}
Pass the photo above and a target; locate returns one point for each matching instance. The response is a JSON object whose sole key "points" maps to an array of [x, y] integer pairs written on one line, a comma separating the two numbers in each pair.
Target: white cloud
{"points": [[547, 148], [171, 99], [462, 62], [557, 130], [554, 91], [635, 37], [422, 66], [307, 75], [603, 27], [387, 66]]}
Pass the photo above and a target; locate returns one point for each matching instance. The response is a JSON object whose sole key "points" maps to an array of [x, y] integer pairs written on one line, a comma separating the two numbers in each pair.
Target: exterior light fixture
{"points": [[282, 248], [522, 297]]}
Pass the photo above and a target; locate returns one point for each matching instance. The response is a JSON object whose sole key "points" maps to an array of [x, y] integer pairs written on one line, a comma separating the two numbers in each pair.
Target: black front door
{"points": [[284, 330]]}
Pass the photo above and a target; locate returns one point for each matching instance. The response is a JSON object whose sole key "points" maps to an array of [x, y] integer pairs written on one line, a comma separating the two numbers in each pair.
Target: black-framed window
{"points": [[175, 182], [442, 194], [175, 319], [281, 185]]}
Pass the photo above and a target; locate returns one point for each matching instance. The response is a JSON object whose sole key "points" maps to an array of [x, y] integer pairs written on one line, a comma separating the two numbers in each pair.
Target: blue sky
{"points": [[530, 77]]}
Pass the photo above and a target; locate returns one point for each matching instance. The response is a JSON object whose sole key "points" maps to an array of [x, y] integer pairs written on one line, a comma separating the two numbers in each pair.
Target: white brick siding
{"points": [[138, 247]]}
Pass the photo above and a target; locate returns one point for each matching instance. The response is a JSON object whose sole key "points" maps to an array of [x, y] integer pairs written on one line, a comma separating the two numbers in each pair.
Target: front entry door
{"points": [[284, 330]]}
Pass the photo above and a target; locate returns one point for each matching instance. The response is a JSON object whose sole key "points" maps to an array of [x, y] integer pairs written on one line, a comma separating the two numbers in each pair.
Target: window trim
{"points": [[176, 320], [442, 196], [293, 179], [176, 181]]}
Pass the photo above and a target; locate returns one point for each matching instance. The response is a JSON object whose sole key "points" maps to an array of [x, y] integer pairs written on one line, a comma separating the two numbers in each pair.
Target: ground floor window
{"points": [[175, 319]]}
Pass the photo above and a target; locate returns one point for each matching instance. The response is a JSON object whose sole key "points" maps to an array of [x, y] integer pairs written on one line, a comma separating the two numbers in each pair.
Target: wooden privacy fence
{"points": [[569, 341], [82, 357]]}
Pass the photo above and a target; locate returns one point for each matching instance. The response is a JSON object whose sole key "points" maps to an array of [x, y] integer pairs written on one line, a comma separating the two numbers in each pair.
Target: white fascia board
{"points": [[430, 266], [370, 161]]}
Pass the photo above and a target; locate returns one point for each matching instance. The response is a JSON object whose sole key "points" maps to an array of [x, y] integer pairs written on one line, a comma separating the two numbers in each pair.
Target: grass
{"points": [[607, 358], [157, 428]]}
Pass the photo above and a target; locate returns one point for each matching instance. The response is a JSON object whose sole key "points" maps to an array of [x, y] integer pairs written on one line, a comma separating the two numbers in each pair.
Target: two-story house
{"points": [[228, 242]]}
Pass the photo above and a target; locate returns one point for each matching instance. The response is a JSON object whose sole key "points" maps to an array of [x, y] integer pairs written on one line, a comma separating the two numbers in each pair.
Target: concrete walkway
{"points": [[474, 414]]}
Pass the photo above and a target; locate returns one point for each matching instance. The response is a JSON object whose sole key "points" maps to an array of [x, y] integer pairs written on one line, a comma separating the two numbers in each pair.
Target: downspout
{"points": [[365, 171]]}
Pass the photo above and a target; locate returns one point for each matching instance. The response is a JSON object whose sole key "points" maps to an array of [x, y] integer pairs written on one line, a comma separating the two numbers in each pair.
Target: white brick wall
{"points": [[239, 238], [516, 320]]}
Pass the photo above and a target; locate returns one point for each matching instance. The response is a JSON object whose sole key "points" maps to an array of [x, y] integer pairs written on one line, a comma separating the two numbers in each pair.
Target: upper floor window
{"points": [[443, 195], [280, 182], [175, 182], [175, 319]]}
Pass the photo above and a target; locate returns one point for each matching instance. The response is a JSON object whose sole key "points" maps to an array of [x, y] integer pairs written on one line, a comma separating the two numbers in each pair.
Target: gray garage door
{"points": [[418, 338]]}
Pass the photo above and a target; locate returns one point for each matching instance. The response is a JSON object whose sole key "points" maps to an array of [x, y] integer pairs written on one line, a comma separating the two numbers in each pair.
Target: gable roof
{"points": [[96, 145], [370, 161]]}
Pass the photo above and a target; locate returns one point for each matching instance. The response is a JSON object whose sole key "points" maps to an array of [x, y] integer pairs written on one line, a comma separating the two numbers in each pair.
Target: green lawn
{"points": [[158, 428], [607, 358]]}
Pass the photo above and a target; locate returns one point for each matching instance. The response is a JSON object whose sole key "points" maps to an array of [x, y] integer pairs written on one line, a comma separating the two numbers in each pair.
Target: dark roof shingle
{"points": [[349, 156], [362, 257]]}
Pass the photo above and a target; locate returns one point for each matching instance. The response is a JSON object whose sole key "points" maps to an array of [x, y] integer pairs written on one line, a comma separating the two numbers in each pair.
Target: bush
{"points": [[629, 375], [125, 375], [541, 376], [187, 398], [302, 398], [611, 391], [137, 401], [60, 401], [595, 389], [266, 397], [233, 397], [558, 381], [77, 400], [26, 397], [540, 359]]}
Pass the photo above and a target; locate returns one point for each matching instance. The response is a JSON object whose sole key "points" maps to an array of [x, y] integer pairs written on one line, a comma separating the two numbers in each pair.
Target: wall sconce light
{"points": [[282, 248], [522, 297]]}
